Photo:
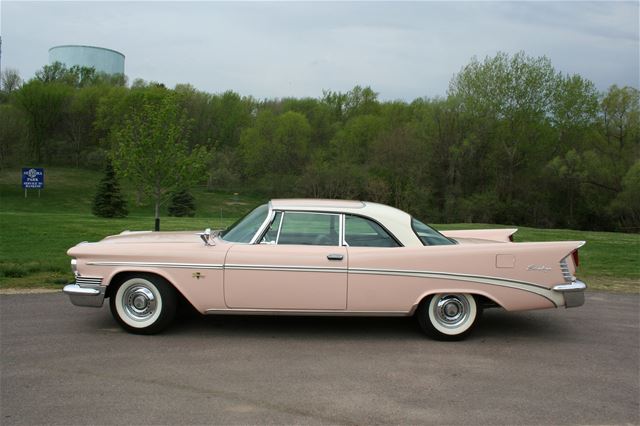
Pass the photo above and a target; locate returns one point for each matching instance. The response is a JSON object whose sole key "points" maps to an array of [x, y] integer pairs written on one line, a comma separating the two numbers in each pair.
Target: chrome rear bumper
{"points": [[573, 293], [85, 296]]}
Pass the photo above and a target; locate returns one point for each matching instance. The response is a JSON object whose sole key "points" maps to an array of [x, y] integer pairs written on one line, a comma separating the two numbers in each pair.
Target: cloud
{"points": [[278, 49]]}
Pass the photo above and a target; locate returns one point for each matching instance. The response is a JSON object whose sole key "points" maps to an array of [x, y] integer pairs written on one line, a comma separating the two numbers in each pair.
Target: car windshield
{"points": [[246, 227], [428, 235]]}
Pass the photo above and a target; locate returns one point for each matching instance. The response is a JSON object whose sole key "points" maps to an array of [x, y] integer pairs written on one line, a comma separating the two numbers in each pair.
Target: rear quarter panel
{"points": [[517, 276]]}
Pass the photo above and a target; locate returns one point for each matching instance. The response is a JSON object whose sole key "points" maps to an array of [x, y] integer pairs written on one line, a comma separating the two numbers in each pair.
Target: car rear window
{"points": [[428, 235]]}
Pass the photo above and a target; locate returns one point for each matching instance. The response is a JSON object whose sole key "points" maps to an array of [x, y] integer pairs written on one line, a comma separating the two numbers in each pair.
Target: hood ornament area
{"points": [[208, 236]]}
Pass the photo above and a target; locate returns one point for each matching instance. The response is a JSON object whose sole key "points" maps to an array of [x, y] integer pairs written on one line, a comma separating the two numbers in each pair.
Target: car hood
{"points": [[140, 237], [139, 244]]}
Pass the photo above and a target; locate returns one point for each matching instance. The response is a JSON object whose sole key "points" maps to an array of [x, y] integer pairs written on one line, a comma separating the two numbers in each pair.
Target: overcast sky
{"points": [[278, 49]]}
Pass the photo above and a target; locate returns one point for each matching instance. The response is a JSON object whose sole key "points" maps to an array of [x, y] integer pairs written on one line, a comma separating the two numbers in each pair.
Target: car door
{"points": [[372, 250], [298, 265]]}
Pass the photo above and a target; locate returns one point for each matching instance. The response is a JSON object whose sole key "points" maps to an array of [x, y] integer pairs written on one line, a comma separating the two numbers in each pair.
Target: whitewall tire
{"points": [[449, 316], [143, 304]]}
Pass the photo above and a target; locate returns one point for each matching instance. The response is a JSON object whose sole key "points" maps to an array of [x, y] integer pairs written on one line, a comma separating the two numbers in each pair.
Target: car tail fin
{"points": [[576, 257], [573, 255]]}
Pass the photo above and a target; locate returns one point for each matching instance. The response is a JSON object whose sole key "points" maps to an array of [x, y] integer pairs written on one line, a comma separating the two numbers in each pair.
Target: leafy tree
{"points": [[76, 76], [318, 115], [508, 98], [55, 72], [399, 162], [276, 143], [231, 114], [357, 101], [328, 177], [13, 133], [514, 141], [575, 108], [80, 118], [151, 147], [182, 204], [335, 101], [361, 101], [608, 159], [45, 107], [116, 103], [626, 205], [10, 79], [353, 142], [108, 201], [620, 124]]}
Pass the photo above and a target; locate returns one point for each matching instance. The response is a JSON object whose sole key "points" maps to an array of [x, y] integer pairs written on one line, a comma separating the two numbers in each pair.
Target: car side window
{"points": [[428, 235], [362, 232], [317, 229]]}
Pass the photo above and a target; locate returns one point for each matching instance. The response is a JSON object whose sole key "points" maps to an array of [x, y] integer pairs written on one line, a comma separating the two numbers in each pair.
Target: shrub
{"points": [[108, 201], [182, 204]]}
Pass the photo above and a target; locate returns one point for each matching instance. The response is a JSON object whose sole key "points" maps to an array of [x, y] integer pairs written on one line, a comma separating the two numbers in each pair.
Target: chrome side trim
{"points": [[438, 274], [553, 296], [310, 312], [496, 281], [545, 292], [291, 268], [160, 265]]}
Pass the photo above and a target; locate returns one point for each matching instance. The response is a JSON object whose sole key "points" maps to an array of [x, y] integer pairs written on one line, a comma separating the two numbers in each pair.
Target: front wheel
{"points": [[448, 316], [143, 304]]}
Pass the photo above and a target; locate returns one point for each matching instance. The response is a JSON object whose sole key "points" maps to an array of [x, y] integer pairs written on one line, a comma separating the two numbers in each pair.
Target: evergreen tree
{"points": [[108, 201], [182, 204]]}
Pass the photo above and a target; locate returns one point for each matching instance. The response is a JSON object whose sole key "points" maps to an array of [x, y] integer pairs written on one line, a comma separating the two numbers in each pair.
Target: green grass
{"points": [[35, 233]]}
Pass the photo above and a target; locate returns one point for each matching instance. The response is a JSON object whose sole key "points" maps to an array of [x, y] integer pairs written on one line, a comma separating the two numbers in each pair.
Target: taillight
{"points": [[511, 237], [576, 258]]}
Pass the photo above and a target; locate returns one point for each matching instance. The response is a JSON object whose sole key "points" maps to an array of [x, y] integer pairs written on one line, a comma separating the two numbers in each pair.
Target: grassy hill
{"points": [[35, 232]]}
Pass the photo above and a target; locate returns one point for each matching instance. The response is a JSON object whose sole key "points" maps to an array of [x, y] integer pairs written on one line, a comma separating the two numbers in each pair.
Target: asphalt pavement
{"points": [[62, 364]]}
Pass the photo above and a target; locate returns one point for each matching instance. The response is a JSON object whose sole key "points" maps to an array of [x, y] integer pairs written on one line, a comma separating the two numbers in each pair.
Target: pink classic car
{"points": [[325, 257]]}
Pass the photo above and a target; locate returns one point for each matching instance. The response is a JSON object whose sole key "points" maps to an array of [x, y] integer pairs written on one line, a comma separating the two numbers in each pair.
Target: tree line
{"points": [[514, 141]]}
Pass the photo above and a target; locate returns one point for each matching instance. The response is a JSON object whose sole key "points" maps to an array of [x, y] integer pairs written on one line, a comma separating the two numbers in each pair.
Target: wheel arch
{"points": [[483, 299], [121, 276]]}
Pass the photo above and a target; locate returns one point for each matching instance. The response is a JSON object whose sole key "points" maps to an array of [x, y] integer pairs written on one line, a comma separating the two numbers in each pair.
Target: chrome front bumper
{"points": [[573, 293], [87, 295]]}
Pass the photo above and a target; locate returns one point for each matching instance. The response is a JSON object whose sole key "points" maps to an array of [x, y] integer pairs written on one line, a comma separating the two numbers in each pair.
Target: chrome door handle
{"points": [[335, 257]]}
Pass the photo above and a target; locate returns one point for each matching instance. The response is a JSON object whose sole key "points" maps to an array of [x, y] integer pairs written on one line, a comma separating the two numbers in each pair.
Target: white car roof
{"points": [[394, 220]]}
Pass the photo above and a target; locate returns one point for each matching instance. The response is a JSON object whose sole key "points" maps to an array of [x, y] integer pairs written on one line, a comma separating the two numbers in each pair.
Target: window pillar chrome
{"points": [[264, 225]]}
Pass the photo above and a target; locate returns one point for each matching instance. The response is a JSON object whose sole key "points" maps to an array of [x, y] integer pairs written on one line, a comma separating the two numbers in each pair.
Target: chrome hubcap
{"points": [[139, 302], [451, 310]]}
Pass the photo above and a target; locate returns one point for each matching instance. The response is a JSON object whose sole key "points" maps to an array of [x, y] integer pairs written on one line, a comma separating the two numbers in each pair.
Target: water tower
{"points": [[103, 60]]}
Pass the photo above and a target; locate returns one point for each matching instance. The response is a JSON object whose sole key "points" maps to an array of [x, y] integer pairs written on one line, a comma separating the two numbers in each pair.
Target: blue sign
{"points": [[32, 178]]}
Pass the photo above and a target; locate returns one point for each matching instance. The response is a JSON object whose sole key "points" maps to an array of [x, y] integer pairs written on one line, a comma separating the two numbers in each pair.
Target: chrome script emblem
{"points": [[539, 268], [197, 275]]}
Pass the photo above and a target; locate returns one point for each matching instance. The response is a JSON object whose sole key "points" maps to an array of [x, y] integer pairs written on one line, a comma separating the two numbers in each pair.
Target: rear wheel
{"points": [[449, 316], [143, 304]]}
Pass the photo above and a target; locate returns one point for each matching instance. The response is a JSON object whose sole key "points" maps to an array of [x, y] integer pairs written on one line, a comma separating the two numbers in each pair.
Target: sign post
{"points": [[32, 178]]}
